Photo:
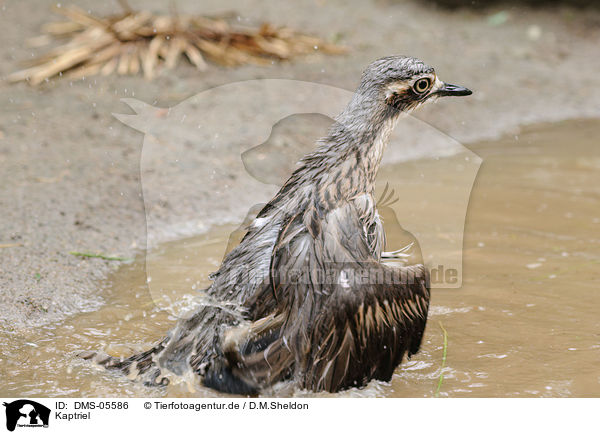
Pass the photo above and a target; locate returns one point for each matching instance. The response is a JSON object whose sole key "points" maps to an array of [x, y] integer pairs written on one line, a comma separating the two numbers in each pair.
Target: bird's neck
{"points": [[356, 144], [370, 152]]}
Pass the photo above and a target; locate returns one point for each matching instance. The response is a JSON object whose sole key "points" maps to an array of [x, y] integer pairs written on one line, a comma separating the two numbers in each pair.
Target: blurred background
{"points": [[524, 323]]}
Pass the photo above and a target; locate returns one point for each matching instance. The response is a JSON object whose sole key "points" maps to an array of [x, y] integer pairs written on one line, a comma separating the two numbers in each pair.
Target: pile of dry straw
{"points": [[135, 42]]}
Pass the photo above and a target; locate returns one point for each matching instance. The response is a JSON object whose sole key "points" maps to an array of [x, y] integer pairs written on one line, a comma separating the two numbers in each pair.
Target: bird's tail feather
{"points": [[142, 366]]}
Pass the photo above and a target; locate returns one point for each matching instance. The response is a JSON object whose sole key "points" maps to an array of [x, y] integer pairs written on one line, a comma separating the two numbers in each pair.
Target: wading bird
{"points": [[305, 297]]}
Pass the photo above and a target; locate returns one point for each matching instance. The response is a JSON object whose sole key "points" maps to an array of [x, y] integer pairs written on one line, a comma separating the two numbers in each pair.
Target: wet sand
{"points": [[523, 324]]}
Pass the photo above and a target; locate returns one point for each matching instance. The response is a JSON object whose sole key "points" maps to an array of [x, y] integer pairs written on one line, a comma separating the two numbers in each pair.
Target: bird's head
{"points": [[404, 83]]}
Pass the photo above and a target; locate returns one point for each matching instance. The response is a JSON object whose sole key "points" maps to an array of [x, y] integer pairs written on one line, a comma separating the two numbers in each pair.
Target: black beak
{"points": [[452, 90]]}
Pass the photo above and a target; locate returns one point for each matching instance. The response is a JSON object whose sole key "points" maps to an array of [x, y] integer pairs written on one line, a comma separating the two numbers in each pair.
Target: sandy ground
{"points": [[70, 171]]}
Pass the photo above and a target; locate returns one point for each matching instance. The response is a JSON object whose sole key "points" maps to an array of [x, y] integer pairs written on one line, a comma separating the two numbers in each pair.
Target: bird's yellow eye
{"points": [[422, 85]]}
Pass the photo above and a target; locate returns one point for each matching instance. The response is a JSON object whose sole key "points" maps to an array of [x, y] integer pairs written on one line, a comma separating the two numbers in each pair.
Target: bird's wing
{"points": [[343, 318], [374, 313]]}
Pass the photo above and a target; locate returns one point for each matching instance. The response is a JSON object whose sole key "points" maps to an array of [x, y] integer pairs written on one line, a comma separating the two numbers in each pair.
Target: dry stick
{"points": [[95, 63], [62, 28], [80, 16], [441, 380], [194, 55], [151, 56], [125, 6], [86, 70], [134, 64], [173, 51]]}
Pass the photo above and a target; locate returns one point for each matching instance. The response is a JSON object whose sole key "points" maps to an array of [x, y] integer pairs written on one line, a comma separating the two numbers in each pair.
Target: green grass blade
{"points": [[94, 255], [444, 354]]}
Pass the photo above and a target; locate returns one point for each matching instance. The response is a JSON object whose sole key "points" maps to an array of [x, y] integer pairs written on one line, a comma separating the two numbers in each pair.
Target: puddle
{"points": [[525, 322]]}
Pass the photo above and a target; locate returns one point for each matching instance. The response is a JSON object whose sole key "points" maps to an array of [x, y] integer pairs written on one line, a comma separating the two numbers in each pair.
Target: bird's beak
{"points": [[452, 90]]}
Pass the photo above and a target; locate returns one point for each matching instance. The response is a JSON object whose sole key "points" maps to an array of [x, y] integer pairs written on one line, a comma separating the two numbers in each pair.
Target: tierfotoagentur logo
{"points": [[25, 413], [247, 139]]}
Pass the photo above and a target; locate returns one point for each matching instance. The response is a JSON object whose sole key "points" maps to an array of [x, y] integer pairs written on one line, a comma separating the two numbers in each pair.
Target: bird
{"points": [[306, 298]]}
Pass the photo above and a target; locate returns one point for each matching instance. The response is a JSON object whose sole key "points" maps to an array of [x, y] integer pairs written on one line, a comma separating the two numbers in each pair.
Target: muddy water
{"points": [[524, 323]]}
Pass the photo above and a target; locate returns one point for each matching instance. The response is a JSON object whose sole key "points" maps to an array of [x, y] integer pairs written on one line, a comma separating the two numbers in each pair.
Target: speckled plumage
{"points": [[286, 303]]}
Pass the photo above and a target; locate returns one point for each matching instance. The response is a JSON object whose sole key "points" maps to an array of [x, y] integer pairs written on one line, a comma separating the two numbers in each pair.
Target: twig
{"points": [[444, 354], [125, 6], [93, 255]]}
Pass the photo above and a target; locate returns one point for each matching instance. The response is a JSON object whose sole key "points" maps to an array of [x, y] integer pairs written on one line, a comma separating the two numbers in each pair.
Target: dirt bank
{"points": [[70, 171]]}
